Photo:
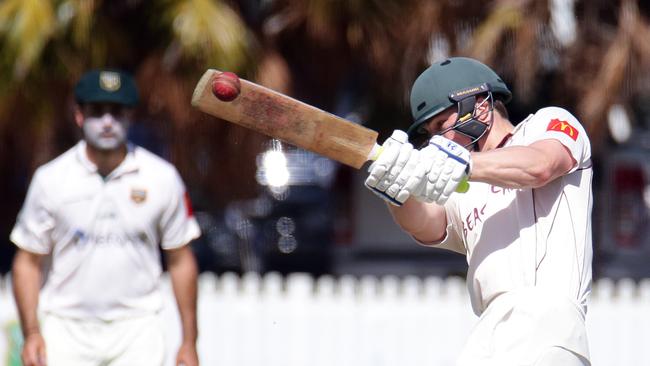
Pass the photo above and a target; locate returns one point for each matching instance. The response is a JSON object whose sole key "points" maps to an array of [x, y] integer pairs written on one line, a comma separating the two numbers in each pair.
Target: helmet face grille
{"points": [[431, 91]]}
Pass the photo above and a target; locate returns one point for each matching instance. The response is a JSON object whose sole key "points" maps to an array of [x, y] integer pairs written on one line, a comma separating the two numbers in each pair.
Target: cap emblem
{"points": [[109, 81]]}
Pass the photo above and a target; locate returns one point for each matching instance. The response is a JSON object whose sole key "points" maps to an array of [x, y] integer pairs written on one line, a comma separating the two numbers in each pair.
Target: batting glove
{"points": [[449, 164], [395, 161]]}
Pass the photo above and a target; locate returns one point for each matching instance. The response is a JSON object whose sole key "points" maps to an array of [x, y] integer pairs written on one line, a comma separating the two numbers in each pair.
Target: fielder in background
{"points": [[524, 224], [89, 232]]}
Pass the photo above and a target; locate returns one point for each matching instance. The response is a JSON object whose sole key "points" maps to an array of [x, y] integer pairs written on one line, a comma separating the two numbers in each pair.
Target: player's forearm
{"points": [[26, 279], [427, 222], [519, 166], [183, 273]]}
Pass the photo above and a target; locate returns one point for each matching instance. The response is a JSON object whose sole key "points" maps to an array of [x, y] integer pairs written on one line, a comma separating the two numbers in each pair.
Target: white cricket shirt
{"points": [[103, 234], [518, 238]]}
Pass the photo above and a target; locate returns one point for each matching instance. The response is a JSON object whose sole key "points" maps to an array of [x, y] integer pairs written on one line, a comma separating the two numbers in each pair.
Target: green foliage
{"points": [[14, 343], [27, 26], [318, 50], [210, 31], [54, 41]]}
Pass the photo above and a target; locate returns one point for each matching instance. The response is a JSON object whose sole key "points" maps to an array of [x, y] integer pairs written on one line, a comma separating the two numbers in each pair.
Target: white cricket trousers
{"points": [[558, 356], [126, 342], [528, 327]]}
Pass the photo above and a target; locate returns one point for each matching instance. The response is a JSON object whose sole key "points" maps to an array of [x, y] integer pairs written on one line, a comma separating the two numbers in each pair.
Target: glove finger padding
{"points": [[449, 169], [434, 175], [417, 183], [457, 175], [403, 158], [404, 175], [384, 196], [390, 152]]}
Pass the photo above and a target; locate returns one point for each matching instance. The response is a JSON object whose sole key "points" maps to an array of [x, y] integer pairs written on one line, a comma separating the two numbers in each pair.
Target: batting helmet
{"points": [[431, 91]]}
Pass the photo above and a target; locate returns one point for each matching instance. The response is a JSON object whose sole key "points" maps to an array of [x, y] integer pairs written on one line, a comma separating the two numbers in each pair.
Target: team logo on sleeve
{"points": [[188, 205], [564, 127], [138, 195]]}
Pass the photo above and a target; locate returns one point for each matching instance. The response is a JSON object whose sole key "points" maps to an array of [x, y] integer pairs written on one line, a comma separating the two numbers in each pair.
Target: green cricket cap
{"points": [[107, 86]]}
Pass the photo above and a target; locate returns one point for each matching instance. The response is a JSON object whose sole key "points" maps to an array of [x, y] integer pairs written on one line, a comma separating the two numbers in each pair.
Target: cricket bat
{"points": [[287, 119]]}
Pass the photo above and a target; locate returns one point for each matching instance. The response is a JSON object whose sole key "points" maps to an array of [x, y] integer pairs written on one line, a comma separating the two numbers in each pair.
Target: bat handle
{"points": [[375, 152], [377, 149]]}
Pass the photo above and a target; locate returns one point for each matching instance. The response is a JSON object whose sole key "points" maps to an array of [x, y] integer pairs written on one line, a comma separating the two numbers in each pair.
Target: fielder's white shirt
{"points": [[103, 234], [520, 238]]}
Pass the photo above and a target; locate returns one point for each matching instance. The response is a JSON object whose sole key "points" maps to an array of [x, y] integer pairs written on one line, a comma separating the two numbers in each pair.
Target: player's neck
{"points": [[501, 128], [106, 160]]}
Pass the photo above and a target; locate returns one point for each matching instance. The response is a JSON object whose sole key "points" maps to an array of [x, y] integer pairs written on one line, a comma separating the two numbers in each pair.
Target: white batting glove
{"points": [[413, 178], [407, 179], [395, 156], [450, 164]]}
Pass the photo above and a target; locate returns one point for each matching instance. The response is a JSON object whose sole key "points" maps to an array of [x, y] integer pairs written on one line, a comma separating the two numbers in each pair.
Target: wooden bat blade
{"points": [[287, 119]]}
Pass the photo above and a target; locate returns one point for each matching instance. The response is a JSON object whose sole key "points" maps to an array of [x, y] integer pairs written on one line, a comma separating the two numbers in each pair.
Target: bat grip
{"points": [[377, 149], [375, 152]]}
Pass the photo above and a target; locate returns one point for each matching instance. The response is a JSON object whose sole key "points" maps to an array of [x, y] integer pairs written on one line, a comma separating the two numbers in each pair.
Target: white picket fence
{"points": [[301, 321]]}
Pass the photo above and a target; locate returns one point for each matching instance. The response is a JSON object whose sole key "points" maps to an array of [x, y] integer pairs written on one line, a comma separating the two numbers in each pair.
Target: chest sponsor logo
{"points": [[78, 236], [472, 219], [138, 195], [564, 127], [105, 239], [477, 215]]}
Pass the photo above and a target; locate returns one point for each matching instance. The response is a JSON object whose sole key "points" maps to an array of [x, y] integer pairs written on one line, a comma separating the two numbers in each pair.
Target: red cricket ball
{"points": [[226, 86]]}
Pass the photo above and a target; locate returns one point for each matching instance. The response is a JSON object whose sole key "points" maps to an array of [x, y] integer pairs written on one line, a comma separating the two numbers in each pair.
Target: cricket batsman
{"points": [[524, 225]]}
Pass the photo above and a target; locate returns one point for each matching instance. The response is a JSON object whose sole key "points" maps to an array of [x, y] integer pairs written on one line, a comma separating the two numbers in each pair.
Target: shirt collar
{"points": [[128, 165], [82, 157], [518, 126], [504, 140]]}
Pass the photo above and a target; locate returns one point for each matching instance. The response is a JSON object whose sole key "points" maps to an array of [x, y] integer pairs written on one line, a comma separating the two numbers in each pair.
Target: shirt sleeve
{"points": [[36, 222], [558, 124], [178, 224]]}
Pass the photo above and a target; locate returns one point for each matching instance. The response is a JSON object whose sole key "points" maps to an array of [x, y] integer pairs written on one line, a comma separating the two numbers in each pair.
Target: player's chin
{"points": [[107, 143]]}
